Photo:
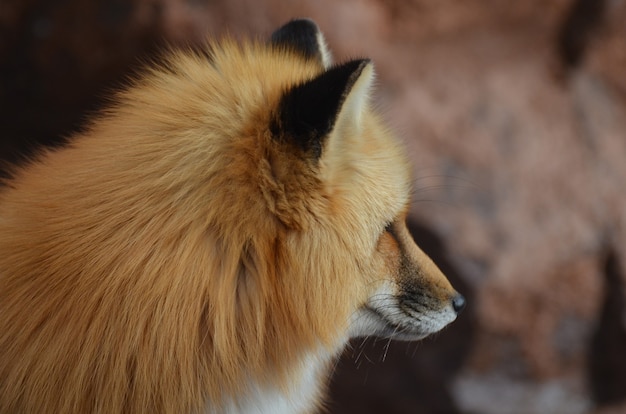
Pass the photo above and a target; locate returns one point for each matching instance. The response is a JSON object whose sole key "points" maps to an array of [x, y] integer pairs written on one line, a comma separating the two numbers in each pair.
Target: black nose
{"points": [[458, 303]]}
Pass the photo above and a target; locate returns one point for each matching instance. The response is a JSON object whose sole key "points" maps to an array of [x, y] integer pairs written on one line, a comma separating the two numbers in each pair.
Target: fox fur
{"points": [[212, 240]]}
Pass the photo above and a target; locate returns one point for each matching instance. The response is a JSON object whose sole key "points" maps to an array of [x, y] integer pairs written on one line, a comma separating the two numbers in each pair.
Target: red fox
{"points": [[212, 240]]}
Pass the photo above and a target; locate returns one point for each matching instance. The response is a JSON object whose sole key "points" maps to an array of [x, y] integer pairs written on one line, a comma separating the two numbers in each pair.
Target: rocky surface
{"points": [[515, 117]]}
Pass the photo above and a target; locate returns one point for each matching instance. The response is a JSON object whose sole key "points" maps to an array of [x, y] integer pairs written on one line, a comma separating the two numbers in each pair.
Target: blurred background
{"points": [[514, 114]]}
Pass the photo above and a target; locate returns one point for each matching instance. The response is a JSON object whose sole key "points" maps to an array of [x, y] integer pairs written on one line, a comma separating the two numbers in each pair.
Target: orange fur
{"points": [[175, 252]]}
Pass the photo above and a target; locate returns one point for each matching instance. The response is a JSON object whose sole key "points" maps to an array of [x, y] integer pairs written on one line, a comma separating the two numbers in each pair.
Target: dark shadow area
{"points": [[583, 18], [58, 60], [379, 376], [607, 356]]}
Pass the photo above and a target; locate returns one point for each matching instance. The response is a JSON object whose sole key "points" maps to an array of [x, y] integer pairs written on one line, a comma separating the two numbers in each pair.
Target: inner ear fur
{"points": [[307, 113]]}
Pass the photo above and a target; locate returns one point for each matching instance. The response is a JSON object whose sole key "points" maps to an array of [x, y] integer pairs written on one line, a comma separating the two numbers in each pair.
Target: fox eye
{"points": [[389, 227]]}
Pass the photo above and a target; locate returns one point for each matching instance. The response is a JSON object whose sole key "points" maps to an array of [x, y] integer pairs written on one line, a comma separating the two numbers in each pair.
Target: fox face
{"points": [[415, 300], [212, 240]]}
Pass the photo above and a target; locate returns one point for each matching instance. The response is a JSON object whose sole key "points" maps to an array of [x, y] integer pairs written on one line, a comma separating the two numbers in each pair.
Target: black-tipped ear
{"points": [[303, 36], [308, 112]]}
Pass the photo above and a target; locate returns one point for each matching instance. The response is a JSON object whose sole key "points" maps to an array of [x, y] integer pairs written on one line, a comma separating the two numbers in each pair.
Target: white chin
{"points": [[374, 322]]}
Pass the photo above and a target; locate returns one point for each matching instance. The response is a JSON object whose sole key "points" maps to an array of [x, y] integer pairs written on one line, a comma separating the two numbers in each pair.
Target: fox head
{"points": [[363, 184]]}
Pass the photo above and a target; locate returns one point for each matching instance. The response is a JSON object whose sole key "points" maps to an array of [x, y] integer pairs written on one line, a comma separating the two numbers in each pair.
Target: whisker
{"points": [[463, 179], [434, 187], [386, 348], [436, 183], [428, 200]]}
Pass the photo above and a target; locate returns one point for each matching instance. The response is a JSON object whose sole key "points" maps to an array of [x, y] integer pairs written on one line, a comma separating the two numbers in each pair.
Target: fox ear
{"points": [[304, 36], [309, 112]]}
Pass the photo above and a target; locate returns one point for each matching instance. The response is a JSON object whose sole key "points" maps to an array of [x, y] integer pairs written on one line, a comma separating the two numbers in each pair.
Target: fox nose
{"points": [[458, 303]]}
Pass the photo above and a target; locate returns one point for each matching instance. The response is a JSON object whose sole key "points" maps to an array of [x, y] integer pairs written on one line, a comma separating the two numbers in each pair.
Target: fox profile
{"points": [[211, 241]]}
